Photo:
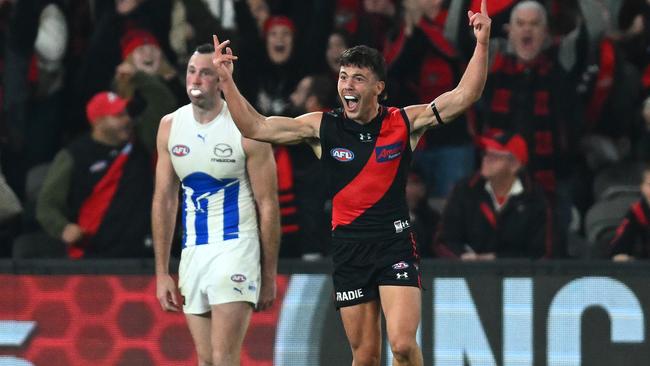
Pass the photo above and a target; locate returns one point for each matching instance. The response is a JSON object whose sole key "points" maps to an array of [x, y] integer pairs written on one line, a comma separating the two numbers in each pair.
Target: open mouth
{"points": [[279, 48], [195, 92], [351, 101], [527, 41]]}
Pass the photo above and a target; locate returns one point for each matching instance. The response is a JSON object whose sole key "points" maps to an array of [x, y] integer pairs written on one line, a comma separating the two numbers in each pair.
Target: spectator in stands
{"points": [[337, 42], [146, 75], [419, 51], [275, 58], [499, 212], [423, 219], [530, 92], [632, 238], [305, 228], [37, 39], [104, 49], [96, 198]]}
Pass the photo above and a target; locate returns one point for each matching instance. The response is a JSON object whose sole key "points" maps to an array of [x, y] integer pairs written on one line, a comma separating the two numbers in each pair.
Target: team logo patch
{"points": [[342, 154], [238, 278], [400, 265], [180, 150], [388, 152]]}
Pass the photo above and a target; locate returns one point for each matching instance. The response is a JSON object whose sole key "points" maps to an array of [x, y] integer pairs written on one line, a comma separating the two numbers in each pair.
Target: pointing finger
{"points": [[484, 7]]}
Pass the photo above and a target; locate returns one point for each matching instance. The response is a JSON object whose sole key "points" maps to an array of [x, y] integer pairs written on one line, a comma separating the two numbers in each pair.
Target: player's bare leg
{"points": [[363, 329], [200, 326], [229, 324], [402, 308]]}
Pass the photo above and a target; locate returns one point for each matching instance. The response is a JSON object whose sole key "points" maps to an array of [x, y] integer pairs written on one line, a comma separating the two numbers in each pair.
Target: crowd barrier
{"points": [[510, 313]]}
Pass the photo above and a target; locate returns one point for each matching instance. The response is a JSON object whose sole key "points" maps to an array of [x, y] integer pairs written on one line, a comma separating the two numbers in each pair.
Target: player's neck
{"points": [[367, 116], [206, 115]]}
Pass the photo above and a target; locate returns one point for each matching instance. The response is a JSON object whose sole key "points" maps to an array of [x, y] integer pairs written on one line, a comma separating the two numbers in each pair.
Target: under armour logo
{"points": [[365, 137], [403, 276]]}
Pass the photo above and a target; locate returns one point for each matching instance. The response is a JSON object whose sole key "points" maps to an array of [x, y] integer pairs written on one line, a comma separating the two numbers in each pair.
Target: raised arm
{"points": [[163, 219], [452, 103], [260, 166], [277, 130]]}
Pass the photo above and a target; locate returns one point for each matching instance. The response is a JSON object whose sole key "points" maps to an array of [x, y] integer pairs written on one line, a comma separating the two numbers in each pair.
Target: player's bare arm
{"points": [[163, 218], [260, 165], [451, 104], [275, 129]]}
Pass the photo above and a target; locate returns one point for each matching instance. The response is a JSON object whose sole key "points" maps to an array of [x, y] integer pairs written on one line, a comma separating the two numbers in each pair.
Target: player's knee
{"points": [[221, 358], [366, 357], [403, 349]]}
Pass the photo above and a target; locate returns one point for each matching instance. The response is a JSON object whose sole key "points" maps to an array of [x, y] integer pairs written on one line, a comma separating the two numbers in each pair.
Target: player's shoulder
{"points": [[334, 113], [253, 147]]}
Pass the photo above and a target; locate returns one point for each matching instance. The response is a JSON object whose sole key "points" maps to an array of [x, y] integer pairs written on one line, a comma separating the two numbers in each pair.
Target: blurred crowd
{"points": [[549, 164]]}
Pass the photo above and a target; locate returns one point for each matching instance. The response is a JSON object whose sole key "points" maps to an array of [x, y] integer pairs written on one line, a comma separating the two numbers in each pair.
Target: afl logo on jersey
{"points": [[180, 150], [341, 154]]}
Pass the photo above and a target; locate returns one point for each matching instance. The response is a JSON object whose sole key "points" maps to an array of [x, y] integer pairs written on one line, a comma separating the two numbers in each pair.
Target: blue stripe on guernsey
{"points": [[201, 189], [231, 211]]}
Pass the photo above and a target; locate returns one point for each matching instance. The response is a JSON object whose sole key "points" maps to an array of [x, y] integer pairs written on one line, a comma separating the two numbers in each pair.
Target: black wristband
{"points": [[435, 113]]}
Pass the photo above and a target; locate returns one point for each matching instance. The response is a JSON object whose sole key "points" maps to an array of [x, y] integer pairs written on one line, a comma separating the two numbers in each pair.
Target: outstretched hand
{"points": [[481, 23], [223, 58]]}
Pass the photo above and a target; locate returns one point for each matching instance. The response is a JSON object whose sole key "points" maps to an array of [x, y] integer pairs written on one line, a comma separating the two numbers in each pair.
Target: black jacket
{"points": [[520, 229]]}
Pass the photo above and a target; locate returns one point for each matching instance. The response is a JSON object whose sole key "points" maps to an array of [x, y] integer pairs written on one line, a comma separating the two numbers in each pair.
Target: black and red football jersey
{"points": [[367, 166]]}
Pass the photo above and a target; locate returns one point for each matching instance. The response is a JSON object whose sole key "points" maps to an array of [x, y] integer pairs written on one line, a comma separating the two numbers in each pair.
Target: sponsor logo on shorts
{"points": [[252, 287], [400, 265], [388, 152], [238, 290], [401, 225], [403, 276], [180, 150], [342, 154], [238, 278], [349, 295]]}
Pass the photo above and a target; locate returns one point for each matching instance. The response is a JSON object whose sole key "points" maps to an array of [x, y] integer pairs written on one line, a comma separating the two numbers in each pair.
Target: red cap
{"points": [[104, 104], [278, 20], [135, 38], [505, 142]]}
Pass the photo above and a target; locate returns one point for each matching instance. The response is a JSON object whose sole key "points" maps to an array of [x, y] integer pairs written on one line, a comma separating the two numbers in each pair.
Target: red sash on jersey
{"points": [[94, 207], [376, 177]]}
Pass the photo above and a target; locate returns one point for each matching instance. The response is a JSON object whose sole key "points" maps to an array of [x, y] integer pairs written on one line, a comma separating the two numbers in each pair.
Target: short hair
{"points": [[364, 56], [204, 48], [530, 4]]}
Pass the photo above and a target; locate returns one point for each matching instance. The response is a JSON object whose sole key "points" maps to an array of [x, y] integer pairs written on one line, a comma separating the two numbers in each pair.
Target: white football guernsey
{"points": [[209, 159]]}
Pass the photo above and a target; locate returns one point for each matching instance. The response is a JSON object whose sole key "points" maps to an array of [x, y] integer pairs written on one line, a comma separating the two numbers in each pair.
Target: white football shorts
{"points": [[214, 274]]}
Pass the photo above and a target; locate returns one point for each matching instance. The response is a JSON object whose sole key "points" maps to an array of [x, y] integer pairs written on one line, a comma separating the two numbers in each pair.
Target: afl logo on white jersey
{"points": [[180, 150], [342, 154]]}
